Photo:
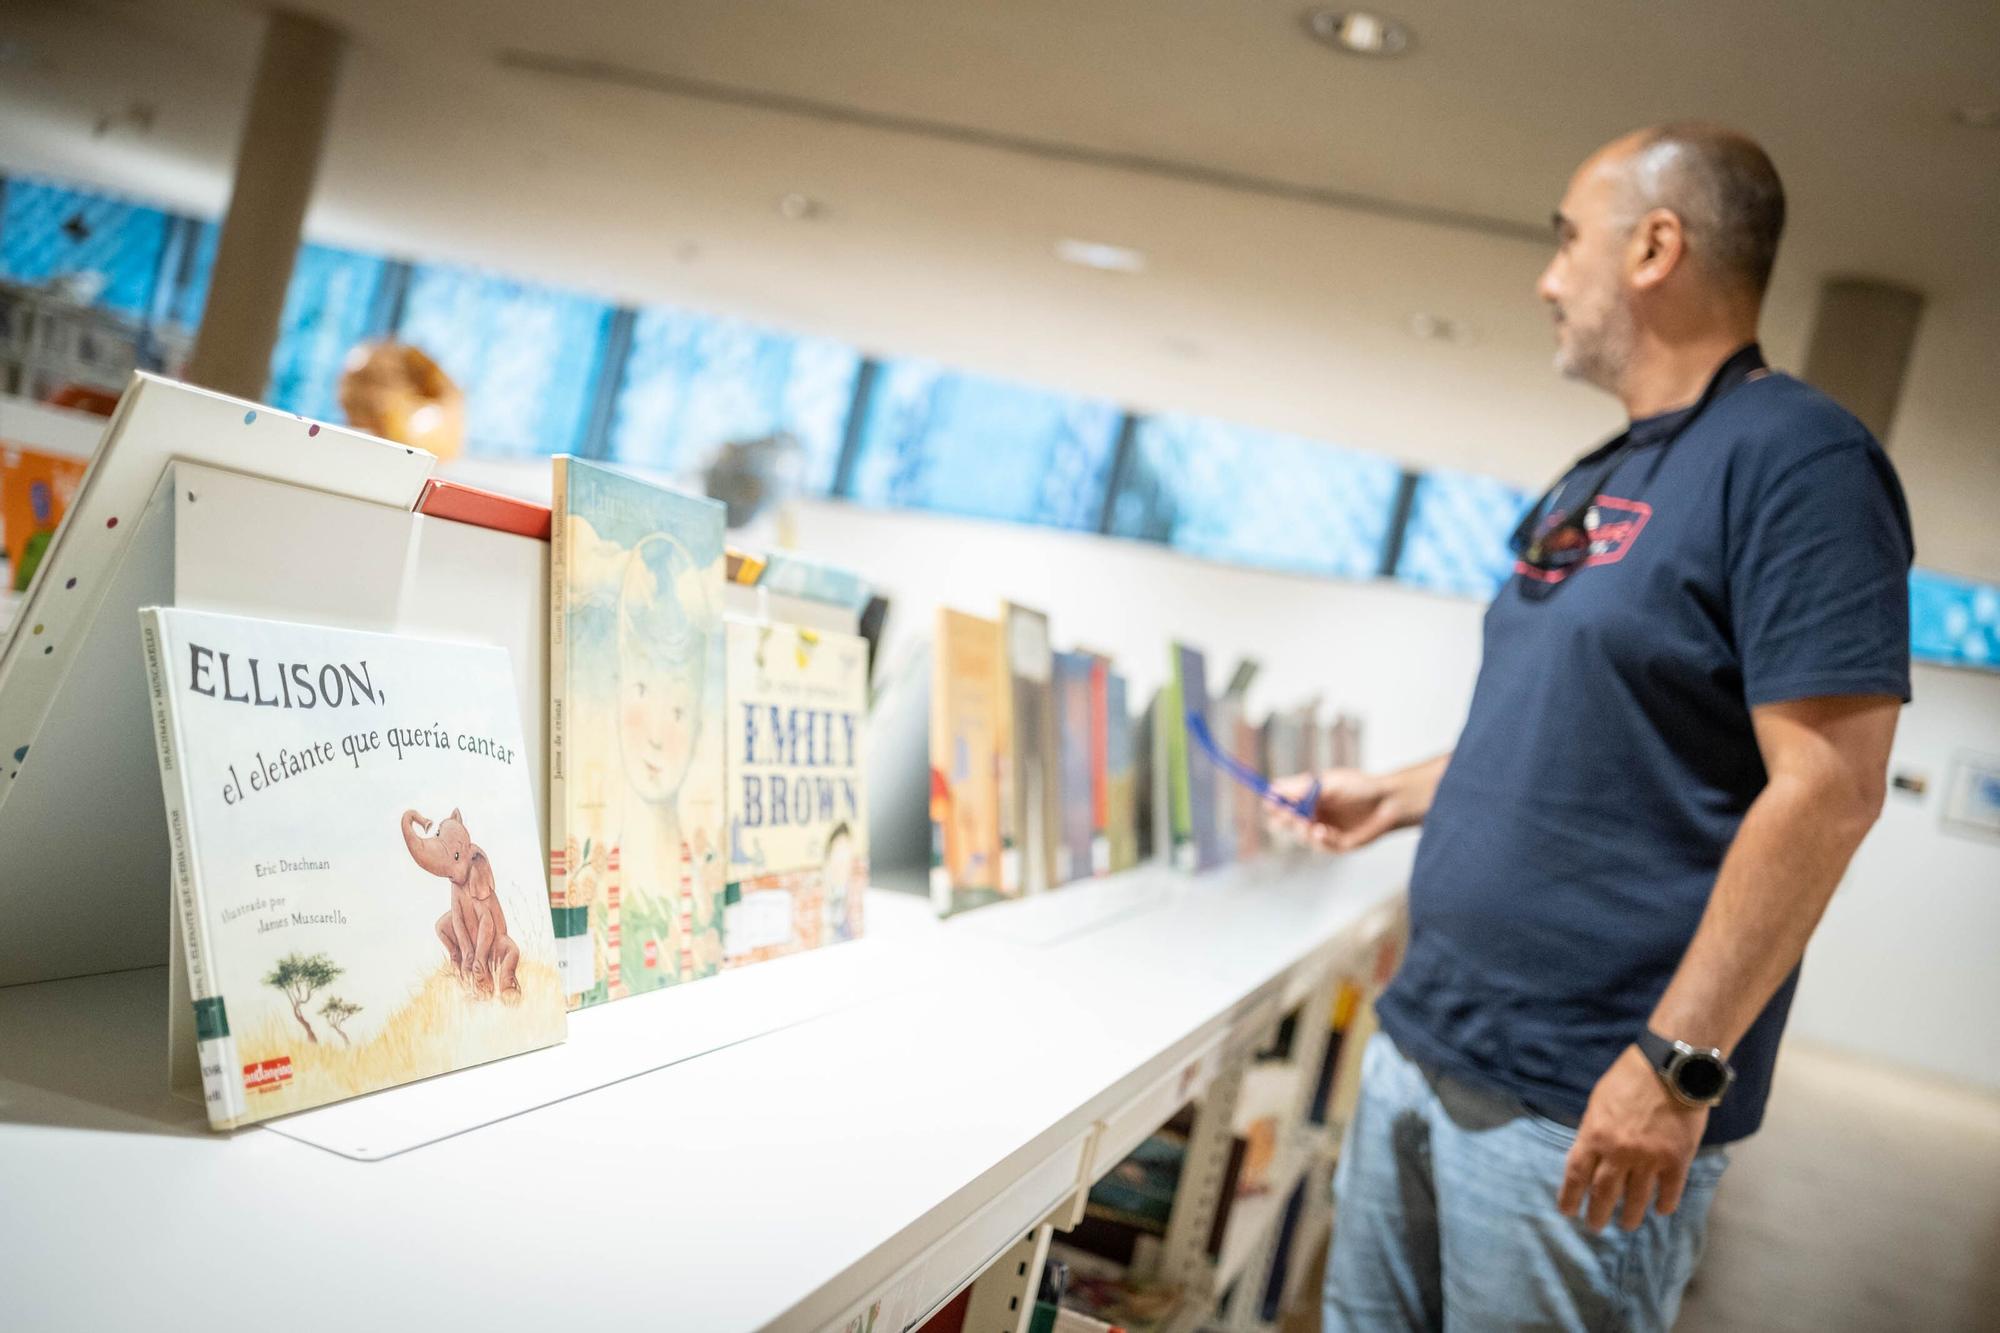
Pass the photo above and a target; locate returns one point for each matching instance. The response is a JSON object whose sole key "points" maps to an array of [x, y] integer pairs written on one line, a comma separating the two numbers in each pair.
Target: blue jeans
{"points": [[1445, 1218]]}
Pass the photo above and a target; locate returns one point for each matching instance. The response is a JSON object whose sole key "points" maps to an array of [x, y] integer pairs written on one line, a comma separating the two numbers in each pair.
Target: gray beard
{"points": [[1601, 356]]}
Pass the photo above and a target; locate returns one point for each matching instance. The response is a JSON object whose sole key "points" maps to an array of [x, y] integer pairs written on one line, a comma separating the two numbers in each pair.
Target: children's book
{"points": [[1121, 776], [637, 687], [35, 490], [1196, 795], [1100, 744], [796, 727], [964, 762], [482, 508], [1073, 736], [358, 884], [1029, 810]]}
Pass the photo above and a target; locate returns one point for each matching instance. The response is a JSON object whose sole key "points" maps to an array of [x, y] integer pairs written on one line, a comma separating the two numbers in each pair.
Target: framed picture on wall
{"points": [[1972, 800]]}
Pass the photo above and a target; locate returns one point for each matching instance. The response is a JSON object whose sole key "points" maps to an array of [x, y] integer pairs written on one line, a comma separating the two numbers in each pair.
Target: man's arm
{"points": [[1826, 759]]}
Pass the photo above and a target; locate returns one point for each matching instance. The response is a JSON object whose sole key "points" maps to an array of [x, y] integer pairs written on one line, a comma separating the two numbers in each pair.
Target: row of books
{"points": [[1040, 773]]}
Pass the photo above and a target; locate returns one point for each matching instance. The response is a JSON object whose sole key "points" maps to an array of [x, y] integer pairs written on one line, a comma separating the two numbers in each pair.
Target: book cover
{"points": [[1202, 808], [1029, 814], [1121, 775], [1073, 732], [636, 683], [460, 503], [1248, 805], [35, 491], [798, 822], [964, 755], [1100, 742], [358, 882]]}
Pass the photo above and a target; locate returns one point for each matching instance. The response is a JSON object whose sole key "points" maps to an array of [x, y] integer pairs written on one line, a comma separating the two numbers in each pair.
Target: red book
{"points": [[486, 509]]}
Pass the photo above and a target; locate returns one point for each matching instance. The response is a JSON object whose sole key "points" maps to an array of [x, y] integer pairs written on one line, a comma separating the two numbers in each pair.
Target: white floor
{"points": [[1869, 1201]]}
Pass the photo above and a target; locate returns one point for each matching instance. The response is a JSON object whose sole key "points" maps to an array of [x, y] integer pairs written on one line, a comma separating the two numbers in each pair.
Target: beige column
{"points": [[1861, 340], [277, 161]]}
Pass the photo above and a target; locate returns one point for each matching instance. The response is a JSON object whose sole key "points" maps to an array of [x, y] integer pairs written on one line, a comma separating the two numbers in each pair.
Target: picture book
{"points": [[797, 719], [964, 763], [358, 884], [1121, 776], [1029, 817], [35, 490], [637, 689], [1073, 732], [1248, 811]]}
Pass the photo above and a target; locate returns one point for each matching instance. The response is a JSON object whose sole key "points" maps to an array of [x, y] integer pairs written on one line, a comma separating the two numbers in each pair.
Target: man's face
{"points": [[1584, 284]]}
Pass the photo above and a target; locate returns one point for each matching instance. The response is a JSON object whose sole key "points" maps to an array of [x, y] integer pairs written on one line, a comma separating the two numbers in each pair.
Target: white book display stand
{"points": [[221, 505]]}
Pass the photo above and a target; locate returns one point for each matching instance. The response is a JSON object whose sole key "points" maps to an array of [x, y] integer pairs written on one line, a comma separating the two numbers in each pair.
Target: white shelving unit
{"points": [[925, 1135]]}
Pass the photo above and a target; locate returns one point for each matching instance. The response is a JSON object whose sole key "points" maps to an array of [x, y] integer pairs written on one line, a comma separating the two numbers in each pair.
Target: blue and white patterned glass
{"points": [[325, 315], [525, 355], [47, 231], [1459, 527], [696, 382], [963, 444], [1954, 621], [190, 295], [1252, 497]]}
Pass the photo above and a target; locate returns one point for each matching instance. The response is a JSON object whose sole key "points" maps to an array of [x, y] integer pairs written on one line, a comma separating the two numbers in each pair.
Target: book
{"points": [[485, 509], [1073, 746], [358, 883], [636, 686], [964, 763], [1121, 776], [35, 491], [1029, 806], [1248, 808], [1198, 845], [1100, 745], [797, 720]]}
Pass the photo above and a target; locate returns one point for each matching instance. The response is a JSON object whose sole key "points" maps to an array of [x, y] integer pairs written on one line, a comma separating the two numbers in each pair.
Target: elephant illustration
{"points": [[474, 929]]}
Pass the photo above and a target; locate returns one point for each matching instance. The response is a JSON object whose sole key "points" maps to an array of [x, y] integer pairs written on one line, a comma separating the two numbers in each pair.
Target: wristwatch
{"points": [[1695, 1075]]}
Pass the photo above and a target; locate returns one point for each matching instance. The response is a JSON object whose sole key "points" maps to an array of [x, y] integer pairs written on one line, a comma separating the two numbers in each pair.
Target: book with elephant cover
{"points": [[358, 882], [965, 763], [798, 817], [636, 692]]}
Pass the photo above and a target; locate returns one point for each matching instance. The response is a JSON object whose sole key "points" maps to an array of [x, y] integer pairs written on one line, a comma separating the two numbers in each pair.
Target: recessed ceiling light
{"points": [[1358, 31], [1098, 255], [1978, 117], [797, 207]]}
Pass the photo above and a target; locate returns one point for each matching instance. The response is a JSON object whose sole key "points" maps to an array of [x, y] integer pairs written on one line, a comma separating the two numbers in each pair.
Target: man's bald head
{"points": [[1719, 183]]}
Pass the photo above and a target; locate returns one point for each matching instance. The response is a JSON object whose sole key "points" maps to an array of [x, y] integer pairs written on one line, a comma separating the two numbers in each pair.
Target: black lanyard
{"points": [[1567, 542]]}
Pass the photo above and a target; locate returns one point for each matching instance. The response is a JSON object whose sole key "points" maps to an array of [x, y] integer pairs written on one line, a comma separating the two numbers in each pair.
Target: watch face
{"points": [[1701, 1078]]}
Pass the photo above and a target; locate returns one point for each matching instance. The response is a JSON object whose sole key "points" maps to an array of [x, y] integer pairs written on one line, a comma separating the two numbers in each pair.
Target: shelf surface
{"points": [[774, 1182]]}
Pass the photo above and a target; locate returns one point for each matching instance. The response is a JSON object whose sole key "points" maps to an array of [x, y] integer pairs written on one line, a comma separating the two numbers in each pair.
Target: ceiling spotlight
{"points": [[1358, 32], [1098, 255], [796, 207], [1985, 117]]}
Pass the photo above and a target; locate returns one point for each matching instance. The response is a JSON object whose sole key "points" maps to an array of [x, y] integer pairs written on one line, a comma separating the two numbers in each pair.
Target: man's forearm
{"points": [[1415, 787], [1788, 857]]}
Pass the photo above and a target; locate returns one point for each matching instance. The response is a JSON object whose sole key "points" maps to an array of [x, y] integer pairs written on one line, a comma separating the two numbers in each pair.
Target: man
{"points": [[1677, 740]]}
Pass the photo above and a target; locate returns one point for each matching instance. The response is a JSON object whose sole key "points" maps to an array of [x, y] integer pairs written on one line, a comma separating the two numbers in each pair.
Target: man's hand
{"points": [[1355, 808], [1635, 1135]]}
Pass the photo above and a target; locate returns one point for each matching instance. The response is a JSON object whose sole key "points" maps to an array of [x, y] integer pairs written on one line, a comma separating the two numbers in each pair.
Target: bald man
{"points": [[1677, 740]]}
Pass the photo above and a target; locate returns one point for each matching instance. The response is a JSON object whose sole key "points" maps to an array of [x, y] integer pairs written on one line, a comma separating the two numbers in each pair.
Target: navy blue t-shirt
{"points": [[1761, 556]]}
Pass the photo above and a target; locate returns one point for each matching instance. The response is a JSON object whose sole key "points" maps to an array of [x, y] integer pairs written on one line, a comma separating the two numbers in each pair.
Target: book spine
{"points": [[942, 661], [572, 935], [222, 1090]]}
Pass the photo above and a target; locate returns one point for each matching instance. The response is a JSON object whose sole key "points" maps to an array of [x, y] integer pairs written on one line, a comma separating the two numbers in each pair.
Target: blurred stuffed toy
{"points": [[393, 390]]}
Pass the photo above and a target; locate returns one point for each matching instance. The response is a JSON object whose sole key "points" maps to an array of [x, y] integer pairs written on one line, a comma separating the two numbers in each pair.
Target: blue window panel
{"points": [[190, 297], [963, 444], [325, 315], [1251, 497], [1459, 527], [525, 356], [1953, 621], [47, 231], [695, 382]]}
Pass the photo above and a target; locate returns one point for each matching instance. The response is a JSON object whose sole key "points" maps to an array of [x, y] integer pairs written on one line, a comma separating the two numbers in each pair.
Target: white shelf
{"points": [[891, 1147]]}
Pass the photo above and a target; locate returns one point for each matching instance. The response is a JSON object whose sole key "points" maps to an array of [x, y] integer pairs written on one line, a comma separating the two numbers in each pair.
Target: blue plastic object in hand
{"points": [[1304, 807]]}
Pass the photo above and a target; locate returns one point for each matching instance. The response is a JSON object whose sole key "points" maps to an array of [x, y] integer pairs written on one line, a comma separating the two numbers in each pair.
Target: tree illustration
{"points": [[298, 977], [338, 1011]]}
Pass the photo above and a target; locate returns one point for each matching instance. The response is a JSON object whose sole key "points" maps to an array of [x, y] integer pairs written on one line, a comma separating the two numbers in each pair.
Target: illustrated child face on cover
{"points": [[662, 652]]}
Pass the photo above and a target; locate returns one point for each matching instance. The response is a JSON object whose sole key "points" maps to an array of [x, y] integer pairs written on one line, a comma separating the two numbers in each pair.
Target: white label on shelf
{"points": [[1010, 871], [1100, 855], [756, 921], [1184, 858], [1063, 867]]}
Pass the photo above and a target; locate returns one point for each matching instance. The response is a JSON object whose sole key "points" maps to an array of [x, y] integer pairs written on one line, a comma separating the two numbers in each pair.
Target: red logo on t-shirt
{"points": [[1613, 524]]}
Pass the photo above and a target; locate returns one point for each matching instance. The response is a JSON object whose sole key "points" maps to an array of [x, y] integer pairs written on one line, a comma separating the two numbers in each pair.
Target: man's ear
{"points": [[1659, 243]]}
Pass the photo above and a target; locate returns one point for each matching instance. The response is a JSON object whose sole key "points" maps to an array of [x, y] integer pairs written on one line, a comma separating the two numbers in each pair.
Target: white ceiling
{"points": [[952, 143]]}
